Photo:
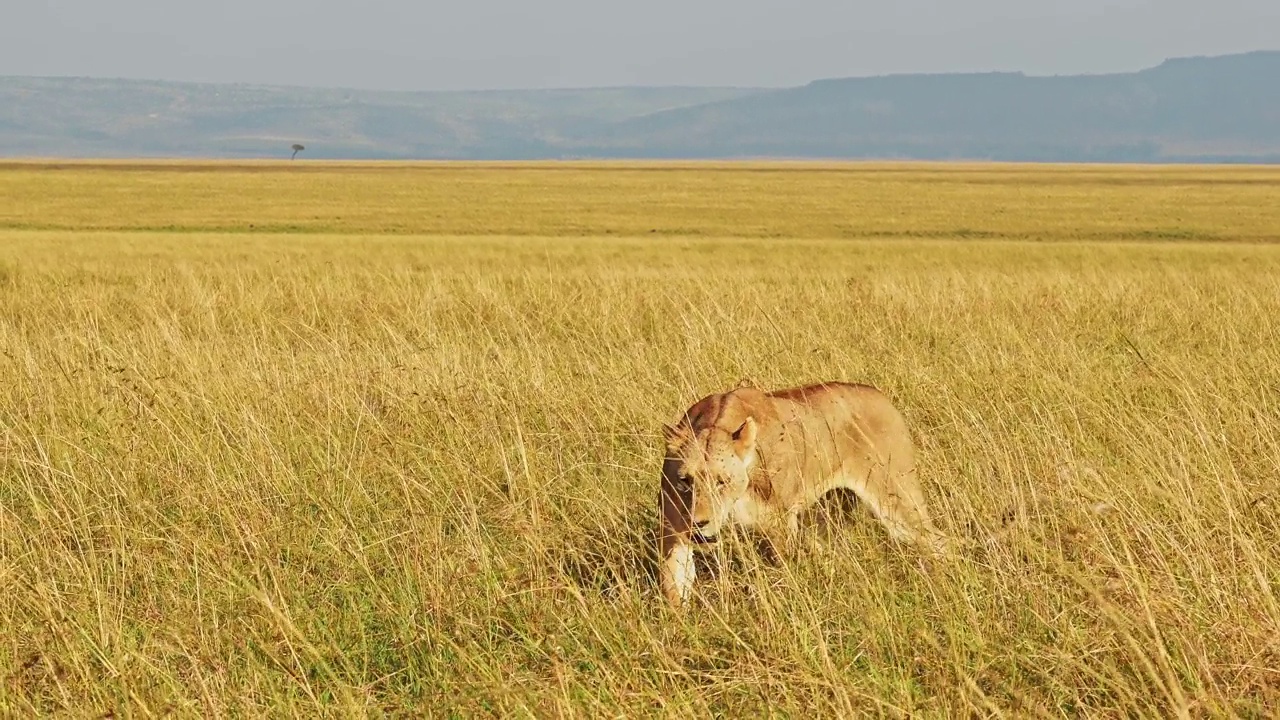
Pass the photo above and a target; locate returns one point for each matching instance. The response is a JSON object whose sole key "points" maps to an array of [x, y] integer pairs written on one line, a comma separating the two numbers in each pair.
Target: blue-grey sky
{"points": [[484, 44]]}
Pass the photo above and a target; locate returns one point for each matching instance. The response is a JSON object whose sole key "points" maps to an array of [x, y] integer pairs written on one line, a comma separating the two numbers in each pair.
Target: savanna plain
{"points": [[322, 439]]}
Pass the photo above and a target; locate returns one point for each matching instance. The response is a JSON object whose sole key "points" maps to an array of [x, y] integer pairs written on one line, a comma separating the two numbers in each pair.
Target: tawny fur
{"points": [[759, 459]]}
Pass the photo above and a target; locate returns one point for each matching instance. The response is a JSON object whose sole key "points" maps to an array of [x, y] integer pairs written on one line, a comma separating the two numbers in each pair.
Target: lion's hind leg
{"points": [[901, 512]]}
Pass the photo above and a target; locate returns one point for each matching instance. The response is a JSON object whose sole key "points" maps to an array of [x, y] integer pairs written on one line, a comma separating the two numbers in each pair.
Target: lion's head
{"points": [[706, 470]]}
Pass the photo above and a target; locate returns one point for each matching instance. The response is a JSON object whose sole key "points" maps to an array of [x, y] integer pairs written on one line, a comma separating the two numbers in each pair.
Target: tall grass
{"points": [[362, 472]]}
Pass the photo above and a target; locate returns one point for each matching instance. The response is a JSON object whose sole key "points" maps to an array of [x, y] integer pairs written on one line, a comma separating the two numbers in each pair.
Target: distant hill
{"points": [[80, 117], [1213, 109], [1185, 109]]}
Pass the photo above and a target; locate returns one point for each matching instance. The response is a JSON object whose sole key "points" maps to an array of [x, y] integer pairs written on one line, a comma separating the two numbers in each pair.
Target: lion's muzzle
{"points": [[699, 533]]}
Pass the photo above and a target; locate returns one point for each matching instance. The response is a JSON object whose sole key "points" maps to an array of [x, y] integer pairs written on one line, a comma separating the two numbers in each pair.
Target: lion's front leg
{"points": [[676, 568], [778, 537], [678, 571]]}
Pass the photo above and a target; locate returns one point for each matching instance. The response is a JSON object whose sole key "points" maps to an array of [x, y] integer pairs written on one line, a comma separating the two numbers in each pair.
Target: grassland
{"points": [[304, 439]]}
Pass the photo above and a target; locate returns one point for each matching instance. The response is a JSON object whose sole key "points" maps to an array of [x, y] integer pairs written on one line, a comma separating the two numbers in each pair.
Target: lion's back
{"points": [[856, 417]]}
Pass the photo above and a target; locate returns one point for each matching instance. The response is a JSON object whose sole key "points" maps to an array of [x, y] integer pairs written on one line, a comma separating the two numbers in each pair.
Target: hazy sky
{"points": [[474, 44]]}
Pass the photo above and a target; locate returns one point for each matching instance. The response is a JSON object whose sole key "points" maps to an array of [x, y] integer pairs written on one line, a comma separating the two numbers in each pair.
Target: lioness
{"points": [[761, 458]]}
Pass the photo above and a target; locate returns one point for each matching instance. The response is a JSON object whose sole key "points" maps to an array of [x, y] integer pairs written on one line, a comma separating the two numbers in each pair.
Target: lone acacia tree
{"points": [[296, 149]]}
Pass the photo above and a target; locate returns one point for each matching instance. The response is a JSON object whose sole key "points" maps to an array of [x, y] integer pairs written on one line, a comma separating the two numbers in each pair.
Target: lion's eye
{"points": [[683, 484]]}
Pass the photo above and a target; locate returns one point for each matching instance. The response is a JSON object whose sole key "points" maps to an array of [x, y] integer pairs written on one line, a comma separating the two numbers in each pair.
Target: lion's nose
{"points": [[703, 532]]}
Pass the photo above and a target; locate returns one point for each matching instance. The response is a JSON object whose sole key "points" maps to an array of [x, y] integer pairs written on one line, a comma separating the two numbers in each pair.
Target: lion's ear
{"points": [[744, 438], [672, 434]]}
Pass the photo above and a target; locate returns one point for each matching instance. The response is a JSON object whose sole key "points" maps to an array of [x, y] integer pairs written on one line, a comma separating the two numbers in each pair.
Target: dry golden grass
{"points": [[310, 439], [814, 200]]}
